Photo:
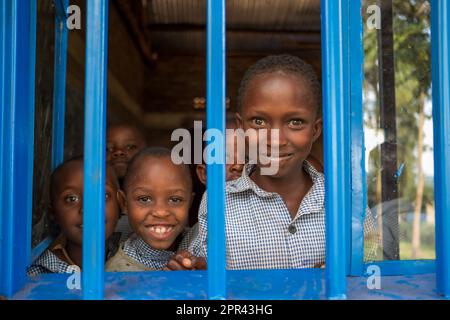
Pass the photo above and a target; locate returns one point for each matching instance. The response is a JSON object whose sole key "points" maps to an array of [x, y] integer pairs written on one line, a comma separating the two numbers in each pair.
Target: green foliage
{"points": [[412, 62], [412, 47]]}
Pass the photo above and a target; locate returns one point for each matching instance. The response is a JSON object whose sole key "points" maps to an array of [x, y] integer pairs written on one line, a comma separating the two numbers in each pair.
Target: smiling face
{"points": [[157, 198], [281, 101], [122, 143], [67, 201]]}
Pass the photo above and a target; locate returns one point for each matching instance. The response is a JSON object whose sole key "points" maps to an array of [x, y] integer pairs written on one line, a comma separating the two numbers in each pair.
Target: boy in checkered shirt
{"points": [[274, 221], [66, 209], [156, 196]]}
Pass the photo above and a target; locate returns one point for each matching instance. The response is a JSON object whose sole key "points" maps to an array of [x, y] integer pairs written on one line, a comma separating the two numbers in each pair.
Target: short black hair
{"points": [[151, 152], [57, 170], [283, 63], [74, 159]]}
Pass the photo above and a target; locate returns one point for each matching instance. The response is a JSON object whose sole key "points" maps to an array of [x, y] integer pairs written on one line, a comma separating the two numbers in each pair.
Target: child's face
{"points": [[157, 201], [67, 202], [283, 102], [233, 168], [122, 143]]}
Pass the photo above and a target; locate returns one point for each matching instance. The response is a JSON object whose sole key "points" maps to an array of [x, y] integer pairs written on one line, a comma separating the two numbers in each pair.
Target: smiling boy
{"points": [[157, 196]]}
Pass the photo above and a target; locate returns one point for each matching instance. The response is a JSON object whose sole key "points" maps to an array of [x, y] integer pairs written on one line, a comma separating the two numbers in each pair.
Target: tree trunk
{"points": [[420, 182]]}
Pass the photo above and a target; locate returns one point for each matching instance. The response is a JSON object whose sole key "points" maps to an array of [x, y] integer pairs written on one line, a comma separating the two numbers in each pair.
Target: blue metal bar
{"points": [[61, 9], [347, 128], [334, 154], [215, 112], [59, 84], [440, 49], [358, 172], [402, 267], [95, 150], [3, 79], [18, 50], [41, 247]]}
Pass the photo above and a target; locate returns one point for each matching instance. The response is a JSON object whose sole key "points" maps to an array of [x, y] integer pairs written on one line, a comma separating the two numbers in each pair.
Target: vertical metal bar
{"points": [[61, 8], [347, 130], [335, 169], [94, 150], [3, 32], [389, 193], [59, 85], [440, 48], [8, 21], [215, 112], [358, 184], [18, 45]]}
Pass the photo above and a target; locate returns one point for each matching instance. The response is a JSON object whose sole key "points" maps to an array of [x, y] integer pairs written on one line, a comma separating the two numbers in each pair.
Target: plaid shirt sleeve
{"points": [[198, 244]]}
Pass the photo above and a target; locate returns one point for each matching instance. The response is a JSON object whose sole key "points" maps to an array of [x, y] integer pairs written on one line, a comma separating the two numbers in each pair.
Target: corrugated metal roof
{"points": [[177, 26], [293, 15], [194, 42]]}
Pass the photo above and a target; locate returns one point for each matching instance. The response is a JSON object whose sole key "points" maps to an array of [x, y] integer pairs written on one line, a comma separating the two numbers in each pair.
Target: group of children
{"points": [[272, 221]]}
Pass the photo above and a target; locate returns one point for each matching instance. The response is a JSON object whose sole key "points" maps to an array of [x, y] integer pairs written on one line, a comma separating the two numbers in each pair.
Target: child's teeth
{"points": [[161, 230]]}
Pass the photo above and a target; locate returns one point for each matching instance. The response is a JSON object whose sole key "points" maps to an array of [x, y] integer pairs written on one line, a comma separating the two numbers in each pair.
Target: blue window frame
{"points": [[342, 57]]}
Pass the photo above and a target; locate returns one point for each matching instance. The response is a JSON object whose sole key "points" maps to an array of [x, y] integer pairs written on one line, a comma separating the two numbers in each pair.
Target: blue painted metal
{"points": [[403, 267], [358, 173], [334, 154], [257, 285], [61, 9], [346, 128], [59, 83], [3, 33], [215, 112], [440, 48], [41, 247], [95, 150], [247, 284], [18, 50]]}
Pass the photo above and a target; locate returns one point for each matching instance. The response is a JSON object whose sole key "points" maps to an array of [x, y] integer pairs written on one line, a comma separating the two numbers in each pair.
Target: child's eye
{"points": [[71, 198], [131, 146], [144, 199], [107, 195], [109, 149], [258, 122], [175, 200], [296, 123]]}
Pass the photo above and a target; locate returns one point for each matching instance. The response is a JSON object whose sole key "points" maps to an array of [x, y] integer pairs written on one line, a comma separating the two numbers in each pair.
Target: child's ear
{"points": [[238, 120], [201, 173], [122, 199], [317, 129]]}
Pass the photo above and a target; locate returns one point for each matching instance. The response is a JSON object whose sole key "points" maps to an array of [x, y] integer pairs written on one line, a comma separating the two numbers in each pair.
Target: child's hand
{"points": [[184, 260], [320, 265]]}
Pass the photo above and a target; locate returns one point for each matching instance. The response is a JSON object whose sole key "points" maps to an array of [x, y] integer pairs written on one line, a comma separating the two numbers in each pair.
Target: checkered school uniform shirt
{"points": [[48, 262], [136, 248], [260, 233]]}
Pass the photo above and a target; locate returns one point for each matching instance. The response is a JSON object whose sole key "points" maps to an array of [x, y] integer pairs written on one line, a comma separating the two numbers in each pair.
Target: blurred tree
{"points": [[411, 27]]}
